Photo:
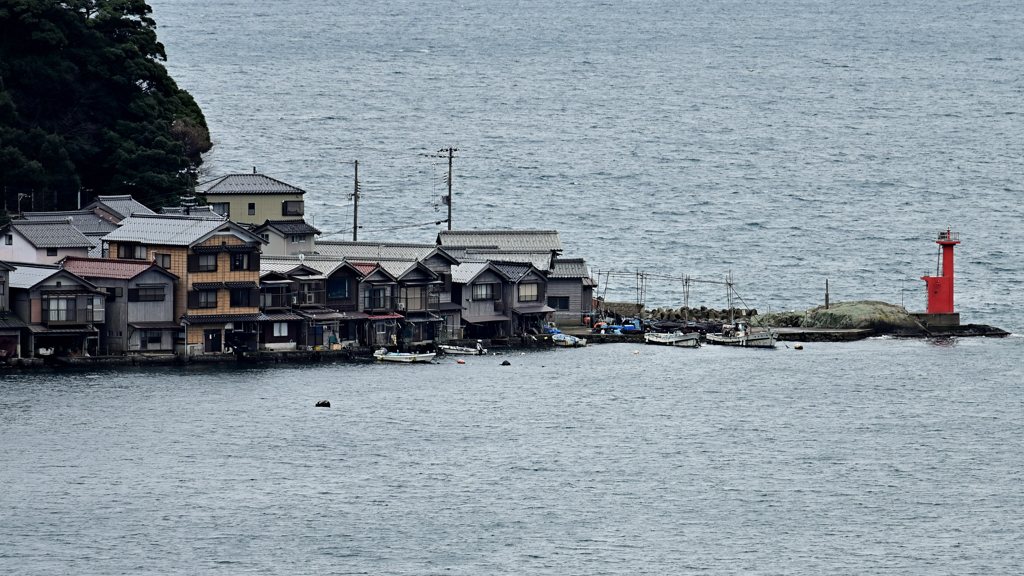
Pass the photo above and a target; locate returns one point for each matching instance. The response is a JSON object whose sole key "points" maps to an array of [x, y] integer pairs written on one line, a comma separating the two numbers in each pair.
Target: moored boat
{"points": [[462, 350], [687, 340], [386, 356], [568, 340], [740, 335]]}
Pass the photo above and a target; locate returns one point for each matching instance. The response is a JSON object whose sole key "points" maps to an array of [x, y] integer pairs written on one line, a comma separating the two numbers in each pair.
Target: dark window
{"points": [[240, 261], [376, 297], [529, 292], [240, 297], [146, 294], [292, 208], [9, 239], [337, 288], [51, 251], [150, 339], [131, 251], [113, 293], [207, 299], [162, 260], [558, 302], [298, 238], [483, 291], [222, 208], [252, 208], [207, 262]]}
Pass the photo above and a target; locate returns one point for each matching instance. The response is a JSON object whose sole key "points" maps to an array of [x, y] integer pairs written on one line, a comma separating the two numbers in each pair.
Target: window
{"points": [[131, 251], [151, 339], [291, 208], [558, 302], [149, 294], [114, 293], [222, 208], [207, 262], [59, 309], [252, 208], [412, 297], [265, 236], [281, 329], [207, 299], [299, 238], [9, 239], [240, 297], [162, 260], [376, 297], [2, 287], [240, 261], [51, 251], [337, 288], [528, 292], [483, 291]]}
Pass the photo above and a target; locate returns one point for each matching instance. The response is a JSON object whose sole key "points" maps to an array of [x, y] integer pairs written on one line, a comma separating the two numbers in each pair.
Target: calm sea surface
{"points": [[788, 142]]}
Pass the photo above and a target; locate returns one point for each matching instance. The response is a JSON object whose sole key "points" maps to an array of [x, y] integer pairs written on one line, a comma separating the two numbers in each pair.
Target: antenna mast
{"points": [[355, 202]]}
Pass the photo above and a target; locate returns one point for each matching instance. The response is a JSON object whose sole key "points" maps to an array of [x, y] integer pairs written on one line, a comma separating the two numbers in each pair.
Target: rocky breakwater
{"points": [[880, 318], [702, 314]]}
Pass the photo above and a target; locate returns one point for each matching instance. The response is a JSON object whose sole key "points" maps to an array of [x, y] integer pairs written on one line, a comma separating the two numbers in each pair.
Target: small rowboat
{"points": [[386, 356], [741, 335], [568, 341], [478, 351]]}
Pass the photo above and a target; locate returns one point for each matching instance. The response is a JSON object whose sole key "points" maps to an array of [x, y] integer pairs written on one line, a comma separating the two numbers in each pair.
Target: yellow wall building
{"points": [[253, 198]]}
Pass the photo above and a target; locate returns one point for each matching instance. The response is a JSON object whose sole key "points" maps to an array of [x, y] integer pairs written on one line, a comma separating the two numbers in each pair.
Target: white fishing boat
{"points": [[462, 350], [739, 334], [568, 340], [690, 340], [386, 356]]}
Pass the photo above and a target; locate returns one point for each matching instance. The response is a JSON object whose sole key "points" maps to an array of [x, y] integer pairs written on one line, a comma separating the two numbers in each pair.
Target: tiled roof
{"points": [[539, 260], [86, 221], [166, 230], [513, 270], [570, 268], [465, 272], [364, 267], [396, 268], [123, 206], [288, 227], [246, 184], [196, 212], [51, 234], [28, 275], [322, 264], [529, 240], [9, 320], [375, 250], [108, 267]]}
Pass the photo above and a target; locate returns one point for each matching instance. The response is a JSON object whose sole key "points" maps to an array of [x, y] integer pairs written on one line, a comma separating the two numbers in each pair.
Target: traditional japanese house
{"points": [[139, 303], [526, 296], [570, 291], [253, 198], [481, 288], [287, 237], [42, 241], [217, 263], [116, 208], [63, 312]]}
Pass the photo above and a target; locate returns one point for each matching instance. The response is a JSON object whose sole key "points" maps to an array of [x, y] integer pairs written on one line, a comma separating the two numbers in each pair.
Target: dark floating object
{"points": [[506, 363], [323, 404]]}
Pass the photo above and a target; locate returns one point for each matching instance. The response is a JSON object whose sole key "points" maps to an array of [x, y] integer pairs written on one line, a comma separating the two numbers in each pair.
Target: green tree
{"points": [[85, 102]]}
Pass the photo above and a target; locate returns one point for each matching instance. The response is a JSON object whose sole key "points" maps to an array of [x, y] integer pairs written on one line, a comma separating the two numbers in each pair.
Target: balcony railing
{"points": [[379, 304], [311, 298], [72, 316], [421, 303], [950, 236], [278, 300]]}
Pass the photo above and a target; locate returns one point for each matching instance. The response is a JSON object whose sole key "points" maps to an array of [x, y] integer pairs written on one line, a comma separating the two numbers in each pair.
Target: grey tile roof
{"points": [[539, 260], [8, 320], [570, 268], [374, 250], [513, 270], [51, 234], [167, 230], [529, 240], [86, 221], [246, 184], [288, 227], [323, 264], [196, 211], [29, 274], [465, 272], [123, 206]]}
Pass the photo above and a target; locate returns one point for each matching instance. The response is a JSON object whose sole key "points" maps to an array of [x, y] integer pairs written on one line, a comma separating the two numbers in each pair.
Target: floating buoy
{"points": [[636, 351], [461, 361], [799, 347], [522, 353], [323, 404], [506, 363]]}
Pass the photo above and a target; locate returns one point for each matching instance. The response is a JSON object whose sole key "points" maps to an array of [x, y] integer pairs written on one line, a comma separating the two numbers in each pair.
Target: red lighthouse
{"points": [[940, 288]]}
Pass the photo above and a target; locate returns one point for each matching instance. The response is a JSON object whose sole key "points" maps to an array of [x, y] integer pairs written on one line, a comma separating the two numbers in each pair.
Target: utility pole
{"points": [[355, 203], [451, 154]]}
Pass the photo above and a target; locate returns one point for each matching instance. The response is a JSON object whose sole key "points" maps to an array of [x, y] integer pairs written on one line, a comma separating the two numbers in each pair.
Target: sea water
{"points": [[785, 142]]}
